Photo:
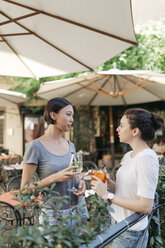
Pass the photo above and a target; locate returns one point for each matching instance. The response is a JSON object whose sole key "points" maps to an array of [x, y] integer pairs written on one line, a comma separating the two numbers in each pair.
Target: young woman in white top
{"points": [[136, 179]]}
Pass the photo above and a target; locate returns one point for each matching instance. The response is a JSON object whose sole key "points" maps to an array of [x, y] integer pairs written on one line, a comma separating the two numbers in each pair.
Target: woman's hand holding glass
{"points": [[101, 174], [66, 174], [81, 188], [99, 187]]}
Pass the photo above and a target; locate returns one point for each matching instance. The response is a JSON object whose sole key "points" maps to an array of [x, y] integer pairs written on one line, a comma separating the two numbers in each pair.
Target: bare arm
{"points": [[27, 174], [61, 176], [111, 185], [140, 204]]}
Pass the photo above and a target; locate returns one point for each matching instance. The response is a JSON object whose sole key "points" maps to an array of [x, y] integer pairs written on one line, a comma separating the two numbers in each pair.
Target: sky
{"points": [[146, 10]]}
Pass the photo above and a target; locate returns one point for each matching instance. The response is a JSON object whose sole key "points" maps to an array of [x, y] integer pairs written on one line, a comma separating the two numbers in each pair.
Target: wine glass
{"points": [[73, 189], [77, 161]]}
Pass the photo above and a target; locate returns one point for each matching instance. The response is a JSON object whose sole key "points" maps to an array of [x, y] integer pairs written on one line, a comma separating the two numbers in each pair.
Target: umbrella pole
{"points": [[111, 136]]}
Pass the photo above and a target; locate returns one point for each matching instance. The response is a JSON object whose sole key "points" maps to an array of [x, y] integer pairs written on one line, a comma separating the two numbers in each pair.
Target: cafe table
{"points": [[22, 216], [8, 159], [7, 172]]}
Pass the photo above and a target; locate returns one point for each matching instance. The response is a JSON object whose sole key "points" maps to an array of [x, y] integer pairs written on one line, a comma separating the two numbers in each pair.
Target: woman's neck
{"points": [[138, 146], [53, 133]]}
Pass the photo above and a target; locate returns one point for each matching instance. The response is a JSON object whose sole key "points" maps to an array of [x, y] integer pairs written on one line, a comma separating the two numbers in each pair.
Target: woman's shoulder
{"points": [[72, 146], [148, 155], [31, 152], [148, 151], [33, 144], [147, 160]]}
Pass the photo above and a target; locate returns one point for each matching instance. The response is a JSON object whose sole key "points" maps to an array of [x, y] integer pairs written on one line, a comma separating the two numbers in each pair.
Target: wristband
{"points": [[110, 197]]}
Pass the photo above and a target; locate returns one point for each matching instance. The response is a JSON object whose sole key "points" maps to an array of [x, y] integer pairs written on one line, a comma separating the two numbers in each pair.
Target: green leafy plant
{"points": [[148, 55], [157, 235], [62, 234]]}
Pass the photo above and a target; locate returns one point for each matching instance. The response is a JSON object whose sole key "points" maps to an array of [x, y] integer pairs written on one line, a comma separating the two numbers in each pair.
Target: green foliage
{"points": [[148, 55], [69, 75], [27, 86], [157, 241], [99, 213], [62, 234]]}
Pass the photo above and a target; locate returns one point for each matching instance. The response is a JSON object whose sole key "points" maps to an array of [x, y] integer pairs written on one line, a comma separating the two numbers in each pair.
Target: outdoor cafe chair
{"points": [[14, 183], [10, 217], [89, 165], [90, 156], [161, 158], [8, 172]]}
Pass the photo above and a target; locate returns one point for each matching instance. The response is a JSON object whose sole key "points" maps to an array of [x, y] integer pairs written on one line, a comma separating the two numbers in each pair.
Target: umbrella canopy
{"points": [[8, 97], [47, 38], [108, 88]]}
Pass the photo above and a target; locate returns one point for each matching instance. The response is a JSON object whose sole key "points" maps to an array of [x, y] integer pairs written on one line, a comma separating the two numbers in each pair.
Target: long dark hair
{"points": [[54, 105], [146, 121]]}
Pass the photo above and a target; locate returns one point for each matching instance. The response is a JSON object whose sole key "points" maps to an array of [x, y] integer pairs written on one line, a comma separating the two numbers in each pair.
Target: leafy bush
{"points": [[157, 226], [60, 235], [148, 55]]}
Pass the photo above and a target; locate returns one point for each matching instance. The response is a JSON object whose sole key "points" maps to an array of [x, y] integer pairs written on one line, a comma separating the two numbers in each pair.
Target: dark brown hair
{"points": [[54, 105], [146, 121]]}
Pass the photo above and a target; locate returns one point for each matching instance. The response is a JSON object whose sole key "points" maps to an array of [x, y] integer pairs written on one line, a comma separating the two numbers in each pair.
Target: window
{"points": [[34, 127]]}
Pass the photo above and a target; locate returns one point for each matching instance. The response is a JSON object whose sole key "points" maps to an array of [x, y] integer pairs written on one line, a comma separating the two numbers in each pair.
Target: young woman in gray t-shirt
{"points": [[49, 156]]}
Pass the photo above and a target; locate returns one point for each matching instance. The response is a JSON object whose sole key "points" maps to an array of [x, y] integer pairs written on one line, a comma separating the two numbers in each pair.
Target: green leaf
{"points": [[159, 239], [151, 241]]}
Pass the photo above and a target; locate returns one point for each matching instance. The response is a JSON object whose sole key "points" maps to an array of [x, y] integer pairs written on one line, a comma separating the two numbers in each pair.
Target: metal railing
{"points": [[114, 231]]}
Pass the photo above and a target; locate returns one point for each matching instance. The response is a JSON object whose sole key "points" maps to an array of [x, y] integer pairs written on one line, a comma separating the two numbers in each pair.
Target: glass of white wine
{"points": [[78, 161]]}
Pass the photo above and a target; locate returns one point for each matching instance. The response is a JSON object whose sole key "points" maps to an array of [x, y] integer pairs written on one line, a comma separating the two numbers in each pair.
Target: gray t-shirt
{"points": [[48, 164]]}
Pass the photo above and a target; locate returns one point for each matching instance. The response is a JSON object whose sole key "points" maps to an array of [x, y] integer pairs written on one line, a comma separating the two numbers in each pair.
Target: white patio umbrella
{"points": [[47, 38], [108, 88], [8, 97]]}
